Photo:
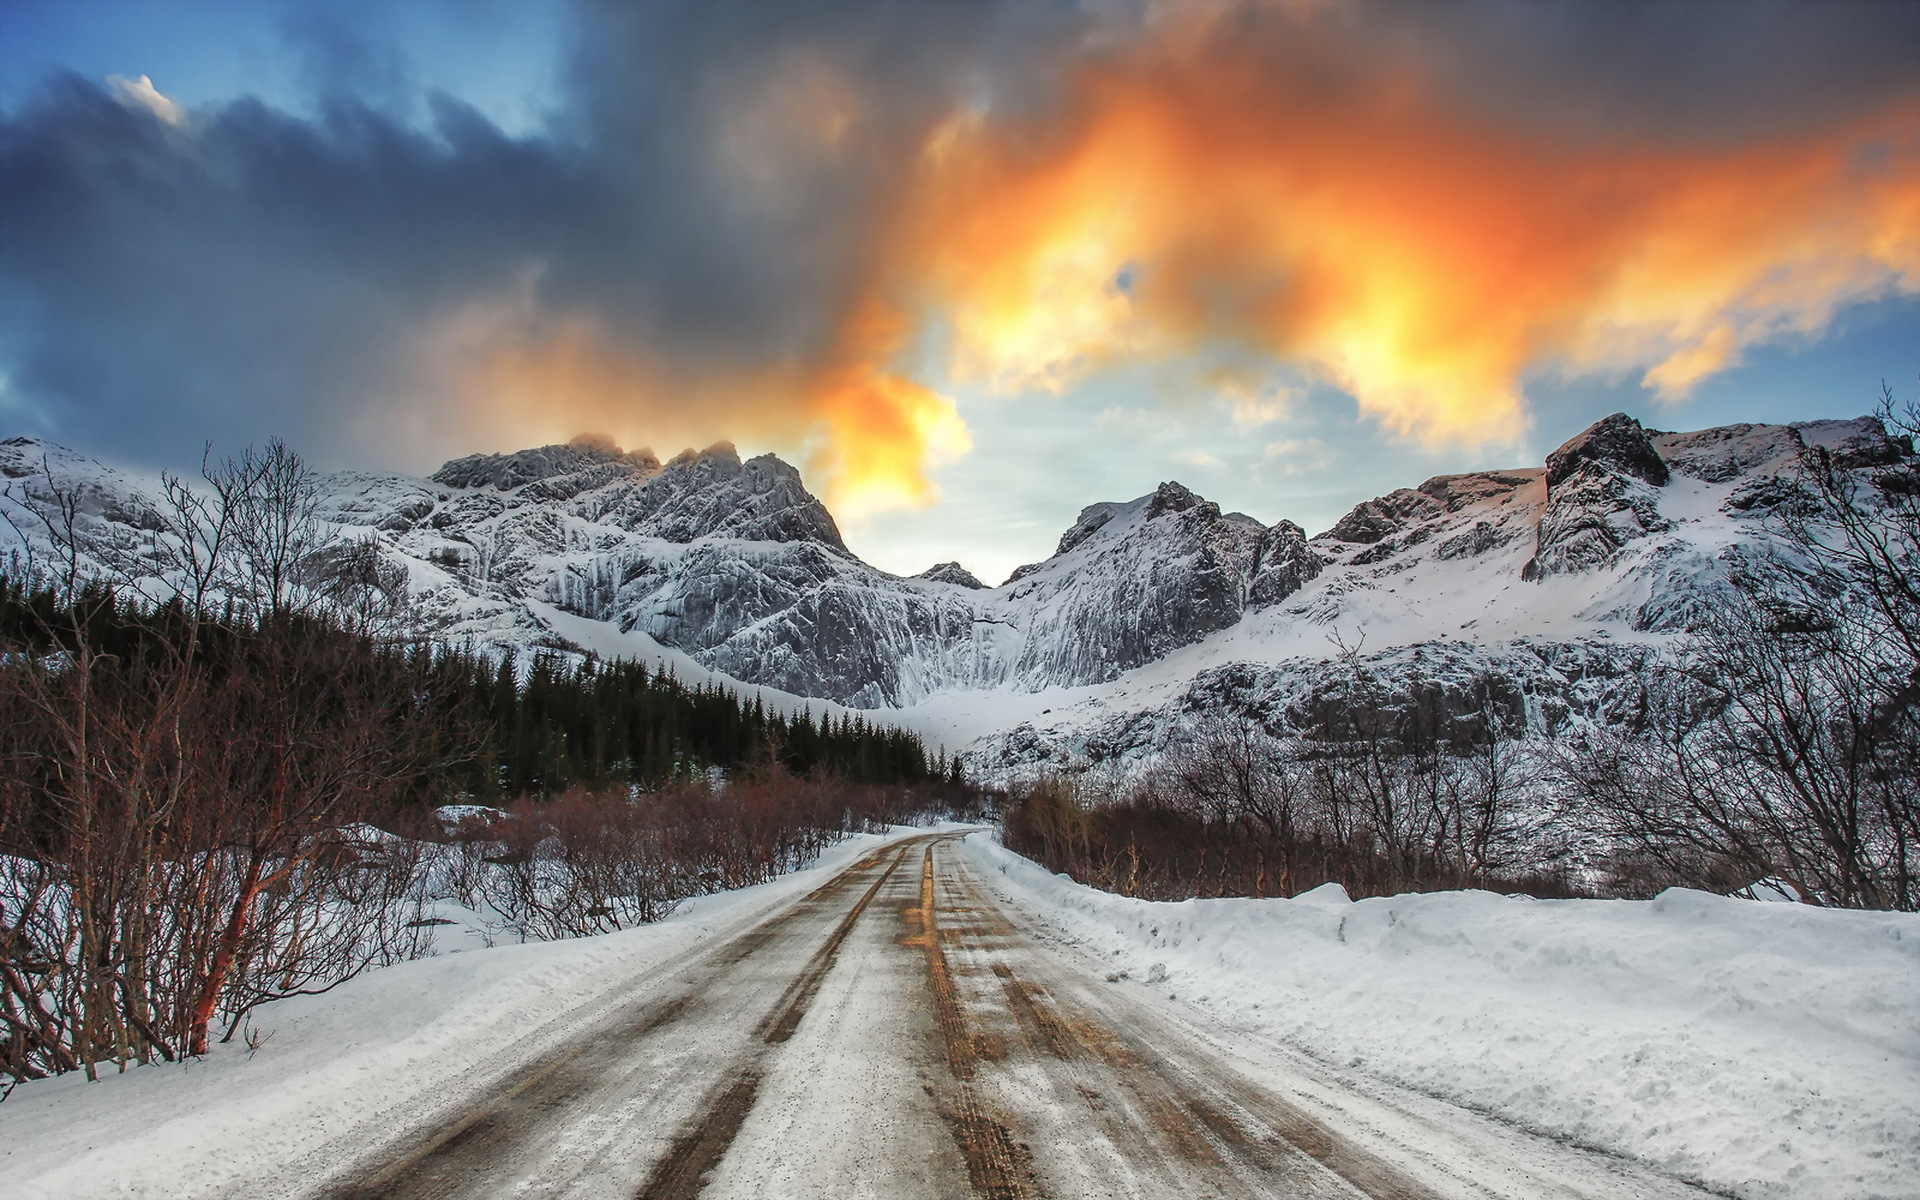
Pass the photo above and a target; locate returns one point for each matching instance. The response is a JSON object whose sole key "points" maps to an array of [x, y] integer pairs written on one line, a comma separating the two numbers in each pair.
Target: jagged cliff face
{"points": [[1132, 582], [1549, 581], [738, 565], [1531, 597]]}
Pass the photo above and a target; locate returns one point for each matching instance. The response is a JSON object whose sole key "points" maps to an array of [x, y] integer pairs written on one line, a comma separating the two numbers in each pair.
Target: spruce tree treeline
{"points": [[593, 722], [505, 733]]}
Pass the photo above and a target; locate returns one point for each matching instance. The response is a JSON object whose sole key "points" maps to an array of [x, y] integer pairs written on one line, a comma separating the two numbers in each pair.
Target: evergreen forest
{"points": [[490, 727]]}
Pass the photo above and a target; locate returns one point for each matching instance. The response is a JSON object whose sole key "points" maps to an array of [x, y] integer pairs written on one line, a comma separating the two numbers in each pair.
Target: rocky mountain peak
{"points": [[1093, 518], [1617, 443], [1601, 495], [1370, 521], [712, 493], [1861, 442], [951, 572], [505, 472], [1719, 454], [1171, 497], [719, 450]]}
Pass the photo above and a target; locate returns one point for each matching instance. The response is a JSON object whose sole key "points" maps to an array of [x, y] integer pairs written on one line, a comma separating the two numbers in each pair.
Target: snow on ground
{"points": [[1767, 1050], [391, 1042]]}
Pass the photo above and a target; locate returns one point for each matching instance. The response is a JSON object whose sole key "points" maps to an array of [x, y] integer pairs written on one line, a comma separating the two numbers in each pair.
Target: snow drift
{"points": [[1767, 1050]]}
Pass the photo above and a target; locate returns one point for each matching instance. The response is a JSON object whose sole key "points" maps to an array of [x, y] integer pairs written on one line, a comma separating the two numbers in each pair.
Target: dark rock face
{"points": [[1769, 495], [1133, 582], [1372, 520], [1482, 537], [1454, 693], [951, 572], [1457, 492], [509, 471], [1861, 442], [1172, 497], [1600, 496], [1093, 518], [1616, 443], [1589, 517], [1717, 455], [1397, 512], [1286, 565], [1410, 517], [714, 494], [779, 616]]}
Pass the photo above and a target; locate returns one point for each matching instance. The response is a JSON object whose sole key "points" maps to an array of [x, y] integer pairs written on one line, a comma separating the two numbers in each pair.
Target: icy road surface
{"points": [[900, 1033]]}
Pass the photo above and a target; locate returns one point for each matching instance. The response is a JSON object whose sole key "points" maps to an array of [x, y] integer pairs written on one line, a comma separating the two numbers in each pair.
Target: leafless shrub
{"points": [[592, 861], [179, 755], [1784, 742], [1236, 811]]}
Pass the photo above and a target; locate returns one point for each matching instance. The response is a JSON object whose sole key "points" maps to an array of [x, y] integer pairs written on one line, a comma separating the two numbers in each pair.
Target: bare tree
{"points": [[1245, 780], [183, 744], [1785, 743]]}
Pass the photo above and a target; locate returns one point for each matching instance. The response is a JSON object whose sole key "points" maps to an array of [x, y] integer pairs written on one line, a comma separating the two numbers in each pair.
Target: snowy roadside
{"points": [[373, 1054], [1767, 1050]]}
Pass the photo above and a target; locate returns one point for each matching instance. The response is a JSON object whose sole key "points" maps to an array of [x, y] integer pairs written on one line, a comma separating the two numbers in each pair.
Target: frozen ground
{"points": [[1768, 1050], [943, 1018]]}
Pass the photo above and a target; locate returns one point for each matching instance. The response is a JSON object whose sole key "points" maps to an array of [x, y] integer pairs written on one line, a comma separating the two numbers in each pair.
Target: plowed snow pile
{"points": [[1767, 1050]]}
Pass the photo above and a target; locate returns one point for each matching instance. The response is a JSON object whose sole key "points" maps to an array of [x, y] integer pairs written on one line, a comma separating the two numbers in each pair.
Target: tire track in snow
{"points": [[683, 1172], [1160, 1117], [999, 1167], [462, 1152]]}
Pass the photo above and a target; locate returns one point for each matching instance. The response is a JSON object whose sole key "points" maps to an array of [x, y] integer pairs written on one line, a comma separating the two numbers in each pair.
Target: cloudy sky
{"points": [[971, 265]]}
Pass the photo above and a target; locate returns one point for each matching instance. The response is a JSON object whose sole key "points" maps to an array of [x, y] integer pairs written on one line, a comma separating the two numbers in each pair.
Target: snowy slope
{"points": [[1552, 582]]}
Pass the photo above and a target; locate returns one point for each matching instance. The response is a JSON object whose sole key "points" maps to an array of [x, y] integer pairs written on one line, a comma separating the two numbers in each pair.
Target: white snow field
{"points": [[1763, 1049]]}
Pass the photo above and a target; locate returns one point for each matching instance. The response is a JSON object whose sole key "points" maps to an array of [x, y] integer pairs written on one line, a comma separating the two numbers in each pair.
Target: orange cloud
{"points": [[881, 429], [1191, 191], [1419, 255], [868, 432]]}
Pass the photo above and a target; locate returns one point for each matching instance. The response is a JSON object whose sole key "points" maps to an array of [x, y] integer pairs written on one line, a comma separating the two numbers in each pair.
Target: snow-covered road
{"points": [[902, 1032]]}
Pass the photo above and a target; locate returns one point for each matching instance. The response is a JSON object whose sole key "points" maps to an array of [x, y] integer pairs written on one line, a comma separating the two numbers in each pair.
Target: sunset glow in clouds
{"points": [[1187, 191], [1419, 260], [926, 250]]}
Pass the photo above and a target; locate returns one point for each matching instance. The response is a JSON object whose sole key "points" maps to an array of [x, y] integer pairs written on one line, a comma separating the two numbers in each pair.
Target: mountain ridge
{"points": [[1148, 612]]}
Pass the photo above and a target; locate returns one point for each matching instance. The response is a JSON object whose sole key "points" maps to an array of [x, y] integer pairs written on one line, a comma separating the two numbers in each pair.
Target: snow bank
{"points": [[370, 1056], [1767, 1050]]}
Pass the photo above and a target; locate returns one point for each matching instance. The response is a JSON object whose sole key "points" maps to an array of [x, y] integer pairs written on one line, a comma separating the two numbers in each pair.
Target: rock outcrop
{"points": [[1602, 492]]}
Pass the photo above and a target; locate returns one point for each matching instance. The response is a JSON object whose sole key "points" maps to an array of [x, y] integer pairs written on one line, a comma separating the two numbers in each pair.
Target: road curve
{"points": [[900, 1032]]}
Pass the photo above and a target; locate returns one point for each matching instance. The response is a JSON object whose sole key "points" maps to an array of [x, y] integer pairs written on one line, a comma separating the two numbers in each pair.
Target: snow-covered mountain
{"points": [[1535, 592], [1542, 585]]}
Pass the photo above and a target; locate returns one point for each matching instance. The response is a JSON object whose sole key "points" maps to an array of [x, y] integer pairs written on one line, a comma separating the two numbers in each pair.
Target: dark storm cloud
{"points": [[679, 103], [706, 193], [252, 270], [1707, 69]]}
